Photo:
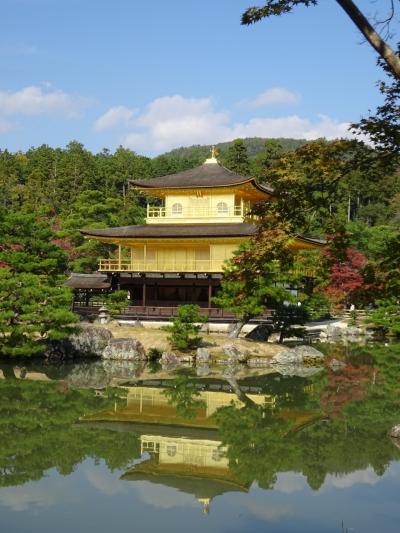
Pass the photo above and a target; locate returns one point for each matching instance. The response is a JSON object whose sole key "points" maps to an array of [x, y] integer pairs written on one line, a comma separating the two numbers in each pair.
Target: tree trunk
{"points": [[239, 393], [375, 40], [234, 334]]}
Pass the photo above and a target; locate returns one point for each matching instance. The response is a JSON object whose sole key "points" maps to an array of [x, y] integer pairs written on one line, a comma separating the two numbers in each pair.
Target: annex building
{"points": [[201, 216]]}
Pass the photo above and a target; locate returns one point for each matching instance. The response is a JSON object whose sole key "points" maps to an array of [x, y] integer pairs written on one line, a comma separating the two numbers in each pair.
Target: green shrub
{"points": [[386, 316], [116, 301], [185, 329], [154, 354]]}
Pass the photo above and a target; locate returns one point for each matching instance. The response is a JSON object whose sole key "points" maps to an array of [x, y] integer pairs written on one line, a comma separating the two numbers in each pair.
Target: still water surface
{"points": [[172, 451]]}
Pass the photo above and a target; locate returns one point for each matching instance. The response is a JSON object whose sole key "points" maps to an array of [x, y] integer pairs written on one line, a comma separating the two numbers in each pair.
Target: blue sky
{"points": [[155, 75]]}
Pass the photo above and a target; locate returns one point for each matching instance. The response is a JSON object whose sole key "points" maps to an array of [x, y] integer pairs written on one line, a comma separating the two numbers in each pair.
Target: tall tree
{"points": [[236, 158], [33, 304]]}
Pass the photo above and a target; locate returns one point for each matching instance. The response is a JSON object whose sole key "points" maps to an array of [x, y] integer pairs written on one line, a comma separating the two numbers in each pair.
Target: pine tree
{"points": [[33, 304], [236, 158]]}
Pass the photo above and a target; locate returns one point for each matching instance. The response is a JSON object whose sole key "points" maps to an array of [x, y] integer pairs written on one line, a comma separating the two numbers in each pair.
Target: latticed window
{"points": [[222, 208], [177, 209]]}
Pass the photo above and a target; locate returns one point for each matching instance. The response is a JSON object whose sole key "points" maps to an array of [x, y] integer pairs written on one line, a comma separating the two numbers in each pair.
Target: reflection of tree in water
{"points": [[39, 431], [263, 442], [183, 394]]}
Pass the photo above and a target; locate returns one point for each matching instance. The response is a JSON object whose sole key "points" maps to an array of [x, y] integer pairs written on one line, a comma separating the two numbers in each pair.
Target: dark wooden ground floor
{"points": [[152, 296]]}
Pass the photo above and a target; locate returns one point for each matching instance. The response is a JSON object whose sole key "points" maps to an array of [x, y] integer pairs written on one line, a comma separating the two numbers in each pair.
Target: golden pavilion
{"points": [[202, 215]]}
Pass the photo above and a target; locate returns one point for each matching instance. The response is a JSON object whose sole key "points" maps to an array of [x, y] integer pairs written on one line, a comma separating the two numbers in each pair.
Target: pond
{"points": [[171, 450]]}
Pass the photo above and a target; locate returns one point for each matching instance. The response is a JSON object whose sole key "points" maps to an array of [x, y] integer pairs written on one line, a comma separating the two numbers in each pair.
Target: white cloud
{"points": [[172, 121], [291, 126], [37, 100], [43, 494], [273, 96], [163, 497], [363, 477], [102, 481], [114, 117]]}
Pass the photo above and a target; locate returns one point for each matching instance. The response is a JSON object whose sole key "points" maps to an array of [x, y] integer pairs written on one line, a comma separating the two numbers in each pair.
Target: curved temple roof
{"points": [[207, 175], [189, 231]]}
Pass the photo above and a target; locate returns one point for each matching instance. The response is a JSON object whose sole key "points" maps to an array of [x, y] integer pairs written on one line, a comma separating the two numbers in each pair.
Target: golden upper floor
{"points": [[209, 193]]}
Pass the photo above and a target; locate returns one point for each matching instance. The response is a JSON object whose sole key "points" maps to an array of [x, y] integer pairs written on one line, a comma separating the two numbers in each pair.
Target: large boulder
{"points": [[87, 341], [297, 356], [308, 352], [287, 357], [234, 354], [260, 333], [125, 349], [90, 340]]}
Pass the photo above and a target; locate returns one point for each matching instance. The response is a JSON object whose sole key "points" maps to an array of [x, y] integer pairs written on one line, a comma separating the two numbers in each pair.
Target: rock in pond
{"points": [[308, 352], [234, 354], [287, 357], [169, 360], [395, 432], [125, 349], [297, 356], [87, 341], [202, 355]]}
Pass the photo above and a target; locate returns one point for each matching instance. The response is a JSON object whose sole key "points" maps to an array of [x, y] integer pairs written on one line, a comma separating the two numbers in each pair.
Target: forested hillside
{"points": [[73, 188], [342, 188]]}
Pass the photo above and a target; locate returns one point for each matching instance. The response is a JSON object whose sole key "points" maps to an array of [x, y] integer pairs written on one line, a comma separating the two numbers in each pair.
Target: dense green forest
{"points": [[343, 189]]}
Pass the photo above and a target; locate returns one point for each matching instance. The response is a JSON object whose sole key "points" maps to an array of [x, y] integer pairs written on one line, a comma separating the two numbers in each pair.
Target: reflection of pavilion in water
{"points": [[153, 402], [191, 465], [185, 453]]}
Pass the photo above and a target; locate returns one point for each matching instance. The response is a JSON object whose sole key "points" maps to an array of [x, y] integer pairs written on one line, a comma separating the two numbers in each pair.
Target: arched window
{"points": [[222, 208], [171, 450], [177, 209]]}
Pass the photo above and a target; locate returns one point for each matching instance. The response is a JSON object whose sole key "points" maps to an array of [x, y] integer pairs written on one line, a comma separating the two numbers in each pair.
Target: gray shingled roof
{"points": [[88, 281], [207, 175], [190, 231], [174, 230]]}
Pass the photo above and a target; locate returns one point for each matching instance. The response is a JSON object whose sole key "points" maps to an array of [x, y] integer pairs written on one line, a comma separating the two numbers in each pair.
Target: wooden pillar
{"points": [[209, 291], [119, 256], [144, 292], [132, 258], [156, 293]]}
